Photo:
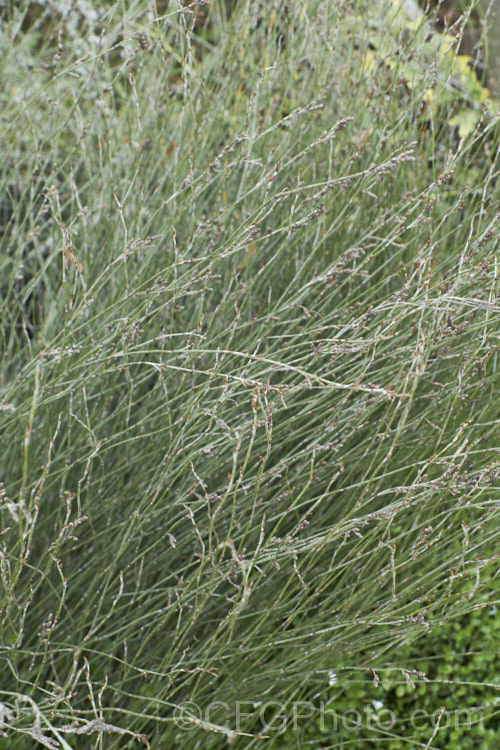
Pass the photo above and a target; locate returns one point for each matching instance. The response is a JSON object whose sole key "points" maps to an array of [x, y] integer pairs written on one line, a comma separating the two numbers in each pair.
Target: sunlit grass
{"points": [[248, 365]]}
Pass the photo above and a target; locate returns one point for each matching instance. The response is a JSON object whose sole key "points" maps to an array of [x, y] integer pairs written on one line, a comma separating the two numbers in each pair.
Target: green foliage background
{"points": [[461, 664]]}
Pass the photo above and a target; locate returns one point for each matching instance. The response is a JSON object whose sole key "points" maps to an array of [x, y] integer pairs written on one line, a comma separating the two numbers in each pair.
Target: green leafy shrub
{"points": [[455, 666]]}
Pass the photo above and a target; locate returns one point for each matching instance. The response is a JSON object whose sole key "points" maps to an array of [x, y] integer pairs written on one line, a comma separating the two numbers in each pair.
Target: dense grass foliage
{"points": [[248, 364]]}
